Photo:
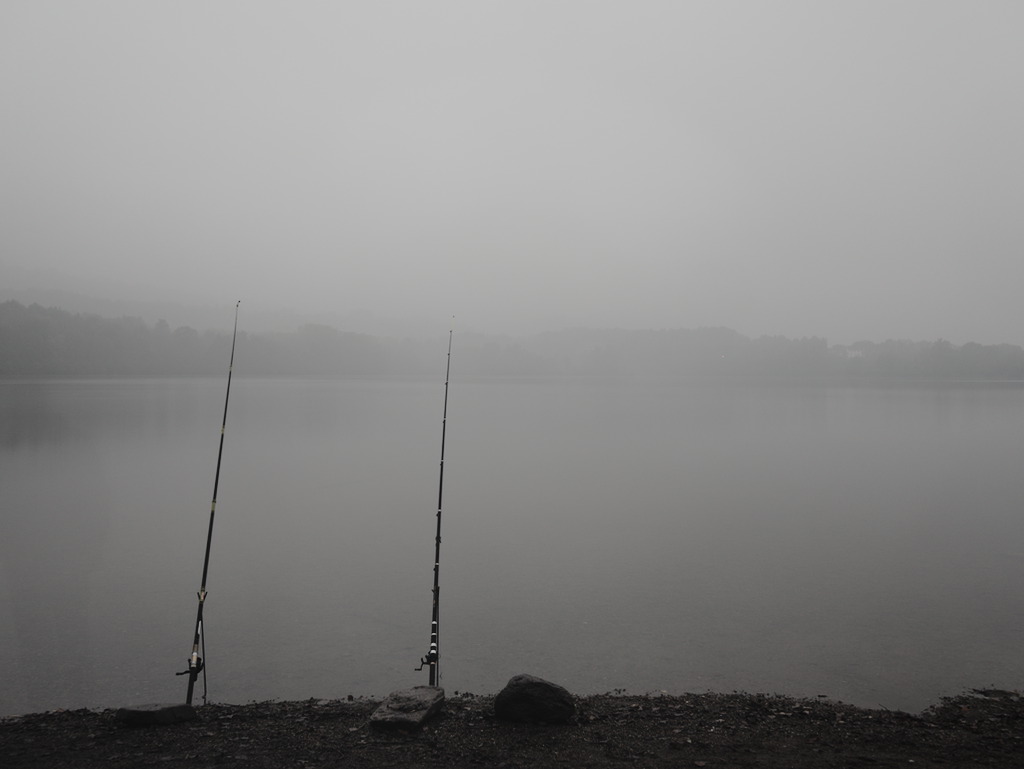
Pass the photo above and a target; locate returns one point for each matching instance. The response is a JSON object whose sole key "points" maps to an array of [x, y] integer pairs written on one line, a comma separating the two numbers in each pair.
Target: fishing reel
{"points": [[430, 659], [192, 671]]}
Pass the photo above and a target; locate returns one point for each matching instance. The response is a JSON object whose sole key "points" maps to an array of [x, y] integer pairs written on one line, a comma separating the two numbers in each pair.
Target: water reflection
{"points": [[55, 537], [858, 542]]}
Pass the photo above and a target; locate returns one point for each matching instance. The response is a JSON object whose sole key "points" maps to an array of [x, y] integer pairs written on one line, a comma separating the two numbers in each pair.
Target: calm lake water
{"points": [[861, 542]]}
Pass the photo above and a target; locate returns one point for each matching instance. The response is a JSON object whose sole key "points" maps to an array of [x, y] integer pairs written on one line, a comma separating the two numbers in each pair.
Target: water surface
{"points": [[863, 542]]}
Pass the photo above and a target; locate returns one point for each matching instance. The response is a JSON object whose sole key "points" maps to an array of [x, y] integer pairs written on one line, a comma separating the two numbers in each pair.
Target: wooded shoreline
{"points": [[40, 341]]}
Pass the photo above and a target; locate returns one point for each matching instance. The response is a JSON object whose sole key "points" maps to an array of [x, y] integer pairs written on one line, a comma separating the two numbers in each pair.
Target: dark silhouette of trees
{"points": [[38, 341]]}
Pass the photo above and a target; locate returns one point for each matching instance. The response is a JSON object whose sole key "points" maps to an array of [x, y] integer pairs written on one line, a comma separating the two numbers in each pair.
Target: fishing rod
{"points": [[195, 660], [432, 656]]}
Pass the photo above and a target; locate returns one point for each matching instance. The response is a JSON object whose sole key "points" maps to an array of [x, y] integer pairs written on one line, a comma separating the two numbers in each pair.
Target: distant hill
{"points": [[47, 341]]}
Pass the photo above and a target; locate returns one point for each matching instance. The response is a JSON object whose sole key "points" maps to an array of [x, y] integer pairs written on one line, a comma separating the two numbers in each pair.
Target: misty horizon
{"points": [[279, 320], [852, 172], [40, 341]]}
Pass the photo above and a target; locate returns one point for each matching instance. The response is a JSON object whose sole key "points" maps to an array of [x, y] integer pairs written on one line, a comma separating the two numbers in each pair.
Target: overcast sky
{"points": [[853, 170]]}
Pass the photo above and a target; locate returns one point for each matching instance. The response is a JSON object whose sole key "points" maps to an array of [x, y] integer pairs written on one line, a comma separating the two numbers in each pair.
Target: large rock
{"points": [[155, 715], [528, 698], [408, 708]]}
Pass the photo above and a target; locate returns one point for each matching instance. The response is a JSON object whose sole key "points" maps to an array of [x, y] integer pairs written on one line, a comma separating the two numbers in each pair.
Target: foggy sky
{"points": [[847, 170]]}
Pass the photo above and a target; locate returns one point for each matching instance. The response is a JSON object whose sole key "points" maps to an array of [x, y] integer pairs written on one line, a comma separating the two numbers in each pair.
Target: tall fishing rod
{"points": [[432, 656], [195, 660]]}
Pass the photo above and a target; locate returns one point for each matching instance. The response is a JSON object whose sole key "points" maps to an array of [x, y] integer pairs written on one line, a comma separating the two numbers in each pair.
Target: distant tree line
{"points": [[47, 341], [38, 341], [724, 352]]}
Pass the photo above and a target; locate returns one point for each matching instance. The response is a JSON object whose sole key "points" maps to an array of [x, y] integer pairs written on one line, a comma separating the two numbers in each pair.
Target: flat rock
{"points": [[408, 708], [155, 715], [529, 698]]}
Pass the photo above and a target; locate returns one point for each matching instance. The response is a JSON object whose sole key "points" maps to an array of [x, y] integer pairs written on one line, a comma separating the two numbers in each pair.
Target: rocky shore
{"points": [[981, 729]]}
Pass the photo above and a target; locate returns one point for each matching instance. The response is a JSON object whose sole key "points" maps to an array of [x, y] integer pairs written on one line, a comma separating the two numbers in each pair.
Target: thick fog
{"points": [[847, 170]]}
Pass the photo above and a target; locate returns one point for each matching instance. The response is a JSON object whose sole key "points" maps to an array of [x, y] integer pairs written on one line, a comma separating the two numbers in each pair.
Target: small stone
{"points": [[529, 698], [155, 715]]}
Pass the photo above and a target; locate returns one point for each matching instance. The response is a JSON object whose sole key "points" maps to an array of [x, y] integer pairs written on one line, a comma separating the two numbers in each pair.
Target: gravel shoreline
{"points": [[981, 729]]}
